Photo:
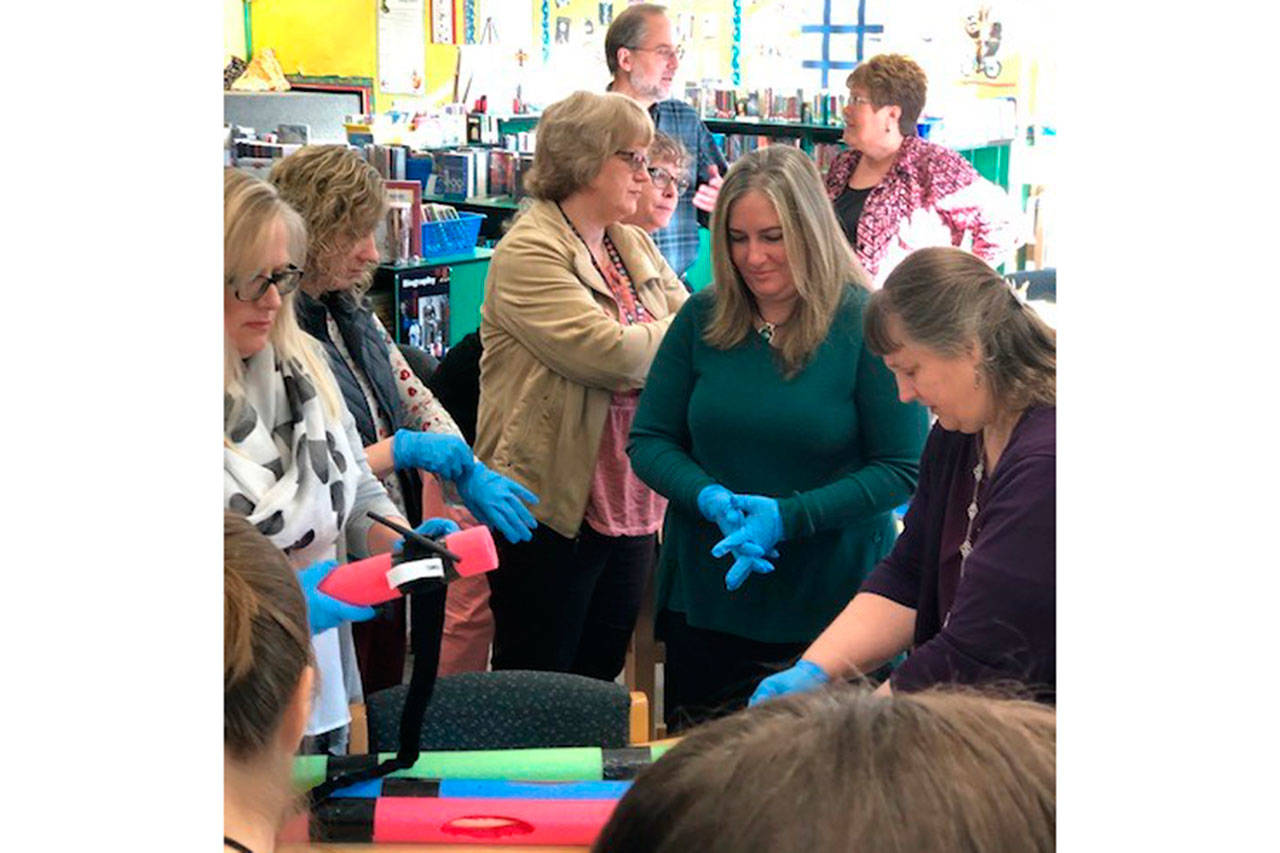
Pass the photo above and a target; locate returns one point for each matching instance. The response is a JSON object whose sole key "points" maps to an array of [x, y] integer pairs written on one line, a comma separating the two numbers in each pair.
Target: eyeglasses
{"points": [[637, 160], [662, 179], [854, 100], [286, 282], [667, 53]]}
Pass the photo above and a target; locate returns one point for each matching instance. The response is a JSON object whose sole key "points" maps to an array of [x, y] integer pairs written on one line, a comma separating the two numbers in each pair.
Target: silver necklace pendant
{"points": [[766, 331]]}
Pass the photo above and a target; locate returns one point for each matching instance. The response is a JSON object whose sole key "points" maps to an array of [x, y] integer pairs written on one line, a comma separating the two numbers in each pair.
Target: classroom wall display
{"points": [[401, 34]]}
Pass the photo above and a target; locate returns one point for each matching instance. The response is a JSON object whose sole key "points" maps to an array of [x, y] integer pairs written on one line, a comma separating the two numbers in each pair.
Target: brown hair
{"points": [[949, 300], [821, 265], [628, 30], [577, 134], [892, 79], [266, 641], [843, 769], [341, 197]]}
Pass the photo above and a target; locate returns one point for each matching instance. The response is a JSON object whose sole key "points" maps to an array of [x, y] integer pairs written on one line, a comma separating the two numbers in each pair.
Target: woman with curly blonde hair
{"points": [[403, 427]]}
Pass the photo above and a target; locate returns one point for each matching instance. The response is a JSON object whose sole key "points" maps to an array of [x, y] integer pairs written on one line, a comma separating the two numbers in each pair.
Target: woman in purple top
{"points": [[969, 585]]}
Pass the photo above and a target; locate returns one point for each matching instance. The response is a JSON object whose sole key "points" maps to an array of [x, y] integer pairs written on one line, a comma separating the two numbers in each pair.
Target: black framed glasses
{"points": [[662, 179], [637, 160], [667, 53], [286, 282]]}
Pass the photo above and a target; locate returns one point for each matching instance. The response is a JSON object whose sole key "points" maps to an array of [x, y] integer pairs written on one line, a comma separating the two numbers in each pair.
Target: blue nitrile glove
{"points": [[761, 529], [805, 675], [323, 610], [742, 567], [715, 504], [432, 528], [439, 453], [495, 501]]}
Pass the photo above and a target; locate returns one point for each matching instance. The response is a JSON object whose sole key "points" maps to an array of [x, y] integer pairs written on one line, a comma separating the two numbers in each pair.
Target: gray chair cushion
{"points": [[508, 709]]}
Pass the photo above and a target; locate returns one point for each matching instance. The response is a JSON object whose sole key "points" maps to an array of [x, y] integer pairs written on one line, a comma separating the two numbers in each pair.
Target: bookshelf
{"points": [[991, 158], [467, 272], [806, 133], [495, 210]]}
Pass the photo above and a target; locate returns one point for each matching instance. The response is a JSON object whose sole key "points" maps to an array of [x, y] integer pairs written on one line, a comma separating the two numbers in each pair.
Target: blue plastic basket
{"points": [[451, 236]]}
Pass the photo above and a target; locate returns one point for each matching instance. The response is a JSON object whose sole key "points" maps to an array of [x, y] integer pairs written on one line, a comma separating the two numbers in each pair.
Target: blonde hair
{"points": [[576, 136], [266, 640], [821, 265], [252, 210], [948, 300], [843, 769], [341, 197]]}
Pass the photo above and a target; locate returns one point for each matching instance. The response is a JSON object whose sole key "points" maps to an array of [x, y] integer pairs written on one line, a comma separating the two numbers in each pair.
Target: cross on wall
{"points": [[862, 28]]}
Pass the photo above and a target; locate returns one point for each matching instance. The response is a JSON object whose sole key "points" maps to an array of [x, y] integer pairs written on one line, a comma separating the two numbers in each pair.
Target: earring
{"points": [[886, 128]]}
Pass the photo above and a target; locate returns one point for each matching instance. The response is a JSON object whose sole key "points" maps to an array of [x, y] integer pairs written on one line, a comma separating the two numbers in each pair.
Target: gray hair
{"points": [[949, 301], [629, 29], [668, 148]]}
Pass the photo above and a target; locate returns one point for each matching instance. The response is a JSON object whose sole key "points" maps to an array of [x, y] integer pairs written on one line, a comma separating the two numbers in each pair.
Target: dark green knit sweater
{"points": [[833, 444]]}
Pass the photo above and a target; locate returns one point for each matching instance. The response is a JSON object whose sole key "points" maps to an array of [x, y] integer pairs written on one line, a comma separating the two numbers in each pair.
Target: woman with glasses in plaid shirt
{"points": [[668, 180]]}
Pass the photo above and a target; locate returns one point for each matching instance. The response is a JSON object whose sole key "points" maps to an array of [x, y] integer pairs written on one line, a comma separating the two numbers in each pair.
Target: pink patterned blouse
{"points": [[931, 197], [619, 504]]}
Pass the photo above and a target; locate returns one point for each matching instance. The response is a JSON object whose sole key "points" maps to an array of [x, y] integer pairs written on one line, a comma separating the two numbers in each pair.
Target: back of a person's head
{"points": [[266, 641], [840, 769]]}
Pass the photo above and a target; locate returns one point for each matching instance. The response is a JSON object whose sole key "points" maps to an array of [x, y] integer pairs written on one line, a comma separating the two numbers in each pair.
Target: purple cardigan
{"points": [[1002, 613]]}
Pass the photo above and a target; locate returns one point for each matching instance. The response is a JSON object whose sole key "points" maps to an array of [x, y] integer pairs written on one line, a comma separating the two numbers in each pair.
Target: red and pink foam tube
{"points": [[365, 582]]}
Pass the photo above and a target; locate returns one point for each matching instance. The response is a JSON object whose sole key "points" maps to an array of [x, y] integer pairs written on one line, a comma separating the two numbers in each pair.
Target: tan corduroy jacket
{"points": [[554, 353]]}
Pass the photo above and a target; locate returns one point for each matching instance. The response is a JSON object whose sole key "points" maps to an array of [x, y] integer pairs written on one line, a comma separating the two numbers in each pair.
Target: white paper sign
{"points": [[401, 51]]}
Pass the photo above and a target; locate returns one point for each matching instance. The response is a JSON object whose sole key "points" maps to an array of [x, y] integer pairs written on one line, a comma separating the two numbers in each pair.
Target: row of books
{"points": [[734, 145], [792, 105], [470, 172], [485, 129]]}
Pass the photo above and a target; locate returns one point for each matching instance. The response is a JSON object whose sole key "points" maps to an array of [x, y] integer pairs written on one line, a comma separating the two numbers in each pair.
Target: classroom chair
{"points": [[513, 709]]}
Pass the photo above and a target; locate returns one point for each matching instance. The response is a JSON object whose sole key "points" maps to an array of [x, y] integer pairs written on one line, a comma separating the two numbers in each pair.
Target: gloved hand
{"points": [[439, 453], [761, 529], [805, 675], [715, 504], [432, 528], [495, 501], [323, 610], [743, 566]]}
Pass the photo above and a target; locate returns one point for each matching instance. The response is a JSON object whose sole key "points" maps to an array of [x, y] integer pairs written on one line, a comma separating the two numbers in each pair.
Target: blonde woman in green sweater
{"points": [[777, 437]]}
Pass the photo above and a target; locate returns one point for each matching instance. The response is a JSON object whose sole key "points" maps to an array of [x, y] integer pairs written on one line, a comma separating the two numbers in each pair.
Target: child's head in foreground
{"points": [[841, 769]]}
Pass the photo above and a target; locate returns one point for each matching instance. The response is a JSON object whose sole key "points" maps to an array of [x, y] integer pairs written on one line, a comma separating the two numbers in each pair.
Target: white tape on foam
{"points": [[431, 567]]}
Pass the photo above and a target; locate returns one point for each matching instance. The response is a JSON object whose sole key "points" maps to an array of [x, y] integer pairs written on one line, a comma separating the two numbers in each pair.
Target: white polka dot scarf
{"points": [[287, 468]]}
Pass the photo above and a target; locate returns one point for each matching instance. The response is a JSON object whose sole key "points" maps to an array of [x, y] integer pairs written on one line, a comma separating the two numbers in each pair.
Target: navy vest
{"points": [[372, 357]]}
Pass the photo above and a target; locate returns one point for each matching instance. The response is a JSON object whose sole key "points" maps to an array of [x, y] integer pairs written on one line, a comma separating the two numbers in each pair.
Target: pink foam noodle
{"points": [[362, 582], [475, 546], [489, 821]]}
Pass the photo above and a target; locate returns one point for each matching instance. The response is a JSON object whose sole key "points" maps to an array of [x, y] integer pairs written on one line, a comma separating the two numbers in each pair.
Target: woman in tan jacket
{"points": [[575, 307]]}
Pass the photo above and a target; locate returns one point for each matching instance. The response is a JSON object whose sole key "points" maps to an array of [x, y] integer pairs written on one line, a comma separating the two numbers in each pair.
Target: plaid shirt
{"points": [[678, 242]]}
